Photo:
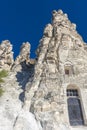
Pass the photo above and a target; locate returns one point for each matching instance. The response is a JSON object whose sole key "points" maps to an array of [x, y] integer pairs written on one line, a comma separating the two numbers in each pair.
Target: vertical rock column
{"points": [[6, 55], [41, 52]]}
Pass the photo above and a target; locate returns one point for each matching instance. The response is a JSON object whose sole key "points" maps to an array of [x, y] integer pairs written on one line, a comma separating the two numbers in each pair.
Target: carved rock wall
{"points": [[60, 47]]}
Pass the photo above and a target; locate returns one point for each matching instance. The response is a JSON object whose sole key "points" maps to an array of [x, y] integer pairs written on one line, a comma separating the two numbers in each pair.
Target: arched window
{"points": [[74, 108], [68, 68]]}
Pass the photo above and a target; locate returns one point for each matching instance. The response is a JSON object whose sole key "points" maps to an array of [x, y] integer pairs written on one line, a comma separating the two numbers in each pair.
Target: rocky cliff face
{"points": [[35, 90]]}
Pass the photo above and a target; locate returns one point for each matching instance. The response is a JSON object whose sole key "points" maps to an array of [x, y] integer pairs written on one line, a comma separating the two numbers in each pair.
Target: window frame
{"points": [[73, 94], [68, 67]]}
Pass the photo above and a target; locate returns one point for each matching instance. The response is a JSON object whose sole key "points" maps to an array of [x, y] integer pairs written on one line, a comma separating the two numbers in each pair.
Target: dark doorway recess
{"points": [[74, 108]]}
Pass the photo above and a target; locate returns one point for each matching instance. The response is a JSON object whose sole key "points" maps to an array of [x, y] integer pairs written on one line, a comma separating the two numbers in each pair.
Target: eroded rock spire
{"points": [[6, 55]]}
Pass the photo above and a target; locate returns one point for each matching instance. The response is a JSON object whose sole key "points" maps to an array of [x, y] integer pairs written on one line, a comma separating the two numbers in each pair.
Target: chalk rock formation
{"points": [[23, 59], [6, 55], [12, 114], [24, 53], [39, 96], [61, 49]]}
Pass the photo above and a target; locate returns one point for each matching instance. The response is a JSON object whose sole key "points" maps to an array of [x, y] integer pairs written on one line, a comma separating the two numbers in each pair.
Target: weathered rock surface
{"points": [[35, 96], [23, 60], [12, 114], [24, 53], [6, 55]]}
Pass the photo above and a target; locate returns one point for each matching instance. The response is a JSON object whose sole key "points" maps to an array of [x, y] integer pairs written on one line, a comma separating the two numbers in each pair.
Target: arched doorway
{"points": [[74, 108]]}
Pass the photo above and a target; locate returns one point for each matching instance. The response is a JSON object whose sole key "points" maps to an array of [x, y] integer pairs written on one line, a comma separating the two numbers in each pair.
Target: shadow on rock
{"points": [[24, 76]]}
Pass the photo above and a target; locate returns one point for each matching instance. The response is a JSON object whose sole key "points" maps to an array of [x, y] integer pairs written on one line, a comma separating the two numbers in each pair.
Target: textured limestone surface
{"points": [[24, 53], [6, 55], [35, 91]]}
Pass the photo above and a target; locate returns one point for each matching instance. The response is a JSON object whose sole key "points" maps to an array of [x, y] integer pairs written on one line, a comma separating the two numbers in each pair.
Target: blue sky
{"points": [[24, 20]]}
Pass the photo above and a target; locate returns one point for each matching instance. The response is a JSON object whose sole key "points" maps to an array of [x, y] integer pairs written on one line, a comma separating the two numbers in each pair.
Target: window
{"points": [[68, 68], [72, 92], [67, 71], [74, 108]]}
